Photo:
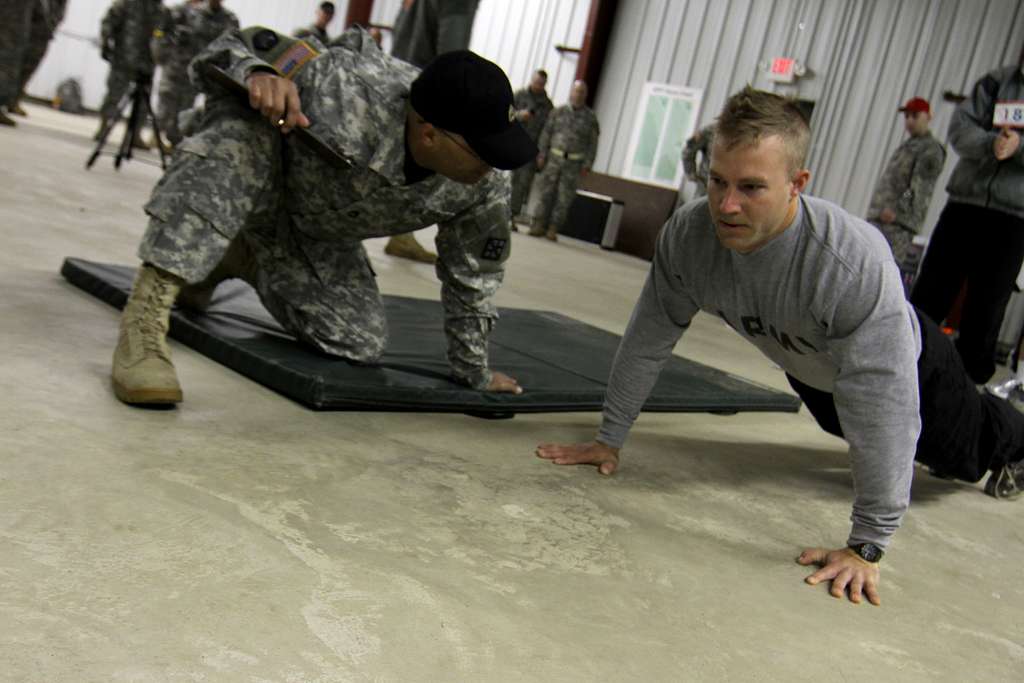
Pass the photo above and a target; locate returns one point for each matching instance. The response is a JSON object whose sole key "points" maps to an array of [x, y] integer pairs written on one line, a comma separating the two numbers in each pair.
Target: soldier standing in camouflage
{"points": [[46, 15], [532, 108], [125, 33], [191, 27], [242, 198], [318, 29], [902, 195], [567, 146], [424, 29], [15, 26], [697, 173]]}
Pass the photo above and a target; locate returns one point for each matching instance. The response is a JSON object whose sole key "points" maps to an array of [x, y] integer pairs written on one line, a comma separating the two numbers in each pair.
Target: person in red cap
{"points": [[245, 199], [979, 238], [904, 190]]}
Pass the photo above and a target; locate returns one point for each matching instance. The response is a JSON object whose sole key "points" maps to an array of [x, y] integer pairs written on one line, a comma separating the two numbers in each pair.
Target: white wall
{"points": [[867, 57], [72, 52]]}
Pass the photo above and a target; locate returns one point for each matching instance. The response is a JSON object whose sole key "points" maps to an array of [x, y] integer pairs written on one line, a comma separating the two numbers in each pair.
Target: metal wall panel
{"points": [[865, 57], [73, 52]]}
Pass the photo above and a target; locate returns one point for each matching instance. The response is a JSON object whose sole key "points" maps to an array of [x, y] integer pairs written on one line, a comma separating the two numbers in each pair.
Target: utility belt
{"points": [[571, 156]]}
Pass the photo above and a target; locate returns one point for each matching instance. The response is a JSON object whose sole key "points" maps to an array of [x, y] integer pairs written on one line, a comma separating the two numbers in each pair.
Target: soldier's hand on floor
{"points": [[1006, 144], [887, 215], [605, 458], [503, 384], [278, 99], [846, 570]]}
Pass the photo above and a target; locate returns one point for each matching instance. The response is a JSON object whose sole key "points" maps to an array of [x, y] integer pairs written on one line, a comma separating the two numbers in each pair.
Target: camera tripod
{"points": [[137, 98]]}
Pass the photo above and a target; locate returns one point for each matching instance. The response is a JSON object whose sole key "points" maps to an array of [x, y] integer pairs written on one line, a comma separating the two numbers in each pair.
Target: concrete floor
{"points": [[242, 537]]}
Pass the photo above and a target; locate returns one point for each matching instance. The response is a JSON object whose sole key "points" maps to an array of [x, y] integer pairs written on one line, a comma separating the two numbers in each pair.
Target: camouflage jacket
{"points": [[699, 143], [188, 29], [908, 181], [356, 97], [126, 30], [539, 106], [571, 130]]}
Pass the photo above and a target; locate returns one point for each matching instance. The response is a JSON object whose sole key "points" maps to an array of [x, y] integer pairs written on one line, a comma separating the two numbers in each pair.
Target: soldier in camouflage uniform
{"points": [[567, 146], [191, 27], [697, 173], [532, 108], [902, 195], [242, 200], [424, 29], [318, 29], [15, 26], [125, 33], [46, 15]]}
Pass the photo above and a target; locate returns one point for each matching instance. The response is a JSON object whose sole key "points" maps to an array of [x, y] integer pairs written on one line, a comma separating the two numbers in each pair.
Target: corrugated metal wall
{"points": [[74, 54], [865, 57]]}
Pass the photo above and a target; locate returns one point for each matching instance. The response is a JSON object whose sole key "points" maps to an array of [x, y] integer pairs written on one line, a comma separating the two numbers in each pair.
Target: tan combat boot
{"points": [[142, 370], [16, 108], [237, 262], [552, 233], [536, 229], [6, 120], [406, 246]]}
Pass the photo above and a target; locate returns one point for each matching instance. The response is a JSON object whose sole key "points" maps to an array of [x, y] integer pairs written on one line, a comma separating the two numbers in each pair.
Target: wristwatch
{"points": [[869, 552]]}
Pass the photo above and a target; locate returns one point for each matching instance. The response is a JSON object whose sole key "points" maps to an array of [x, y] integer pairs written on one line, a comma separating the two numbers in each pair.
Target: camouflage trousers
{"points": [[226, 183], [522, 179], [898, 237], [176, 95], [15, 28], [119, 80], [553, 190], [38, 41]]}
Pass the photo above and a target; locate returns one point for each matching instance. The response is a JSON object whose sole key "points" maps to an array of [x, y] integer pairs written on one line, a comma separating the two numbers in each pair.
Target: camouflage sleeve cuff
{"points": [[476, 378]]}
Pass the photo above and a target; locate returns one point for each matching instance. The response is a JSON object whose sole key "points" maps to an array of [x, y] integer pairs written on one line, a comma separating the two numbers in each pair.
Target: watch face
{"points": [[870, 552]]}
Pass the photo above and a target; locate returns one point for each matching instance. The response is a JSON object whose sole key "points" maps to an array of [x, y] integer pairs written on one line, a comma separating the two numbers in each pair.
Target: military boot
{"points": [[16, 108], [6, 120], [537, 229], [237, 262], [552, 233], [142, 370], [406, 246]]}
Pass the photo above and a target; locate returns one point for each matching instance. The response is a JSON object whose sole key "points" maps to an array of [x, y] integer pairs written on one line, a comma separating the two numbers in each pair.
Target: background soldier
{"points": [[532, 108], [567, 146], [45, 16], [15, 26], [191, 27], [125, 33], [423, 30], [697, 172], [318, 29], [902, 195]]}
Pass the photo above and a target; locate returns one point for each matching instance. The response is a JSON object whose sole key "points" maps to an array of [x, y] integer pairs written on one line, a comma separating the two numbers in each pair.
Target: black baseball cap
{"points": [[463, 93]]}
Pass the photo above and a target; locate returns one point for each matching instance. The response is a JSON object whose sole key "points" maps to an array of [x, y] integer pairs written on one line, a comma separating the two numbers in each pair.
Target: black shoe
{"points": [[1006, 482]]}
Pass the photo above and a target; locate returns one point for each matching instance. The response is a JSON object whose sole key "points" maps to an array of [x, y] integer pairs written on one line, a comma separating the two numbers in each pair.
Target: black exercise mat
{"points": [[562, 363]]}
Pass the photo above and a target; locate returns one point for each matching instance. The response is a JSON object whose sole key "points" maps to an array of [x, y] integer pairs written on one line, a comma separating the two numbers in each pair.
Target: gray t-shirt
{"points": [[824, 301]]}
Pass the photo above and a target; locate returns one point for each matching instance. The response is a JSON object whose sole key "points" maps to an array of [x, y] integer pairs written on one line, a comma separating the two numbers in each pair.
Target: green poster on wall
{"points": [[666, 117]]}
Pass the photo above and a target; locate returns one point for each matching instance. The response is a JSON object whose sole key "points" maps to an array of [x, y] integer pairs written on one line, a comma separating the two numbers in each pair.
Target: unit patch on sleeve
{"points": [[494, 249]]}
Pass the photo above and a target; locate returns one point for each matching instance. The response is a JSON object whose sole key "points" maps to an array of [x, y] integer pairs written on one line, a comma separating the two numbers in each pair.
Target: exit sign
{"points": [[782, 70]]}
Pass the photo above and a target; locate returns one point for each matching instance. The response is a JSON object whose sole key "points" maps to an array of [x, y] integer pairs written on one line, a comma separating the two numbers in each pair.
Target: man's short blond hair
{"points": [[752, 115]]}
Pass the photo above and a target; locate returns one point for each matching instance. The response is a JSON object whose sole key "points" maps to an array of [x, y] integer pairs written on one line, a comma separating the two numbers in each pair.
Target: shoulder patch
{"points": [[285, 54], [494, 248]]}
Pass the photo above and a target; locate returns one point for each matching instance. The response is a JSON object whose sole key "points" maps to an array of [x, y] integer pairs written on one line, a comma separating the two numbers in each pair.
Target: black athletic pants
{"points": [[986, 248], [963, 433]]}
